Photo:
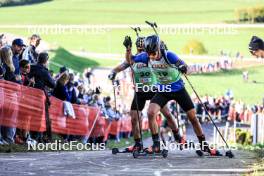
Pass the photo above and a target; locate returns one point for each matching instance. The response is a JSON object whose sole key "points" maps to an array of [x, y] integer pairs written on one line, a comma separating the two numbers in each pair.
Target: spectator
{"points": [[1, 40], [8, 133], [30, 53], [6, 57], [1, 65], [41, 73], [43, 81], [17, 48], [2, 72], [25, 70], [62, 70], [72, 96], [60, 90], [88, 75], [245, 76]]}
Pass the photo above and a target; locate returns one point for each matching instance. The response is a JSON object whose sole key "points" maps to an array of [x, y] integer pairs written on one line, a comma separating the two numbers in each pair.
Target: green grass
{"points": [[216, 84], [125, 142], [132, 12], [111, 41], [124, 11], [62, 57]]}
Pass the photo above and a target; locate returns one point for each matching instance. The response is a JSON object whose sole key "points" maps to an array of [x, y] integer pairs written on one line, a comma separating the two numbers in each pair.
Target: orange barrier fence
{"points": [[22, 107], [81, 125], [126, 125]]}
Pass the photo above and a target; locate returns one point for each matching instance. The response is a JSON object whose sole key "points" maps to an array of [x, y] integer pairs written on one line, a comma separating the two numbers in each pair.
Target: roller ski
{"points": [[214, 153], [130, 149], [209, 152], [206, 151], [151, 151]]}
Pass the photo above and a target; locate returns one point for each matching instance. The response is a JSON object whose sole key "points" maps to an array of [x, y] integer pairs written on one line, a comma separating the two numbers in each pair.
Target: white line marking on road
{"points": [[235, 170], [17, 159]]}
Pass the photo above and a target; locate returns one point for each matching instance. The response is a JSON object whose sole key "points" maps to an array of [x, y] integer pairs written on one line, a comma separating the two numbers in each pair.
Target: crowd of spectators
{"points": [[224, 63], [23, 64], [225, 108]]}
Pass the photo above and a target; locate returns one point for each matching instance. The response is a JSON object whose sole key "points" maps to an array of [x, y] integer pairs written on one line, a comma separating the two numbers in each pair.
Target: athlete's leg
{"points": [[135, 112], [152, 114], [184, 100], [158, 101], [172, 124], [135, 123], [191, 114]]}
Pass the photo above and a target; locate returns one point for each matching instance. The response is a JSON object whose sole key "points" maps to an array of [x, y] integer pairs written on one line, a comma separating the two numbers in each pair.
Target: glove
{"points": [[112, 75], [183, 68], [127, 42]]}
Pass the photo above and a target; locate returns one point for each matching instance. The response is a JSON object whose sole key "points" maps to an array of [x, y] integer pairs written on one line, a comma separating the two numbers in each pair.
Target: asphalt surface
{"points": [[104, 163]]}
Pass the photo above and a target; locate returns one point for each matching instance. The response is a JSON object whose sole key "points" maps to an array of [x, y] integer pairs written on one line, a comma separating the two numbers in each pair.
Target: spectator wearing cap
{"points": [[256, 47], [17, 48], [41, 73], [30, 53]]}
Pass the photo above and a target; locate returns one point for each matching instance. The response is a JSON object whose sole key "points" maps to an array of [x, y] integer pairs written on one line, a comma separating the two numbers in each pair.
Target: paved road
{"points": [[104, 163]]}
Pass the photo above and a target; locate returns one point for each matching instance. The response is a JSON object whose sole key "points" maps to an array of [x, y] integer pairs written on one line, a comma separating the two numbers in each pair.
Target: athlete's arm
{"points": [[128, 56], [128, 44], [174, 59], [180, 64], [118, 69], [121, 67]]}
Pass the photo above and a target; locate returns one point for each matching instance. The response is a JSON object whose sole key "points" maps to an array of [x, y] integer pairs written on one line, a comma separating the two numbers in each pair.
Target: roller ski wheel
{"points": [[199, 153], [229, 154], [164, 153], [135, 154], [115, 151], [155, 151], [152, 150]]}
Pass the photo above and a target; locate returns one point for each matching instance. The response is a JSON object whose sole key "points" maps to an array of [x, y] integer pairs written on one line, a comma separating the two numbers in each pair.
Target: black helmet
{"points": [[255, 44], [152, 44], [140, 42]]}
